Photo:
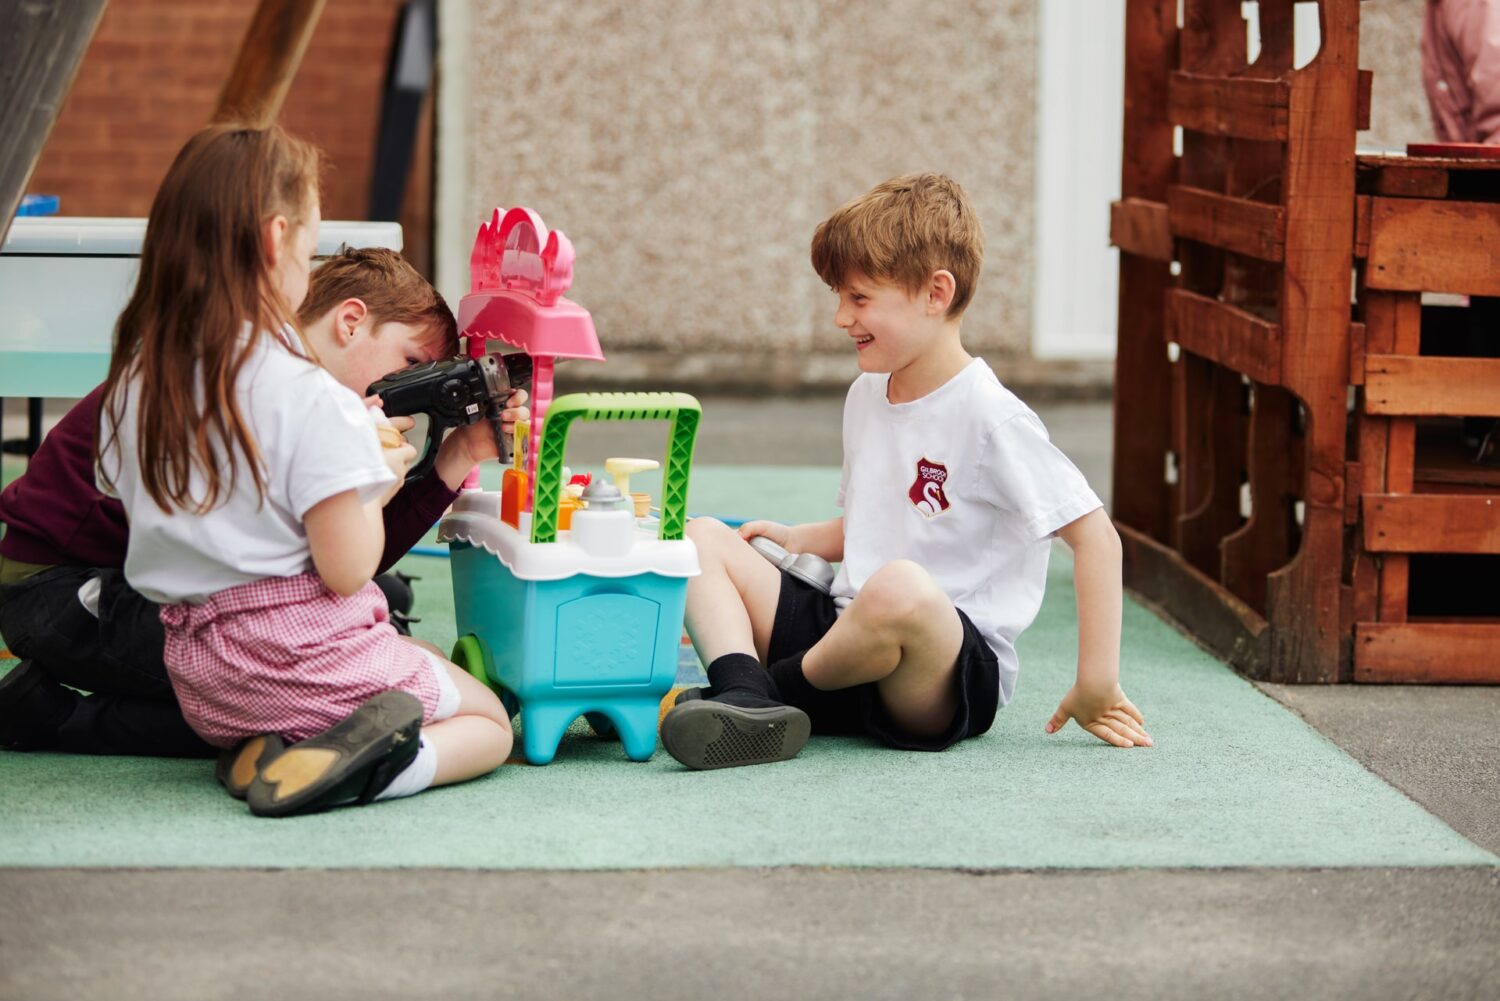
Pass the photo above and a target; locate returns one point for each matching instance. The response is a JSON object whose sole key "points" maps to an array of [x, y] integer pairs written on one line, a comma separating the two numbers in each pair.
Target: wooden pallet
{"points": [[1258, 214], [1423, 225]]}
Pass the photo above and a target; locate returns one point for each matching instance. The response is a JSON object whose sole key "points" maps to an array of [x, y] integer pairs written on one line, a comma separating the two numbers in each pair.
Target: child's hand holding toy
{"points": [[773, 530], [468, 446], [394, 448]]}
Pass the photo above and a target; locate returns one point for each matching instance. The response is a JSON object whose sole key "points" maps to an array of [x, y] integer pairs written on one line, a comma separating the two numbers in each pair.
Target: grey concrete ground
{"points": [[1357, 934], [905, 935]]}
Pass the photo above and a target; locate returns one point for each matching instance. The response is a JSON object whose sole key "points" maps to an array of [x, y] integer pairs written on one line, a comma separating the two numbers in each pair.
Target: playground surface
{"points": [[1310, 842]]}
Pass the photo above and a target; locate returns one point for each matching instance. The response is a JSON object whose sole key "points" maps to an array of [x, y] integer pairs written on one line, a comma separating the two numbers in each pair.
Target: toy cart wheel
{"points": [[468, 653], [601, 725]]}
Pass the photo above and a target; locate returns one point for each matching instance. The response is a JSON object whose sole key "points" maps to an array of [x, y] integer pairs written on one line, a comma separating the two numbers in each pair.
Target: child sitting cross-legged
{"points": [[951, 493], [254, 483], [65, 606]]}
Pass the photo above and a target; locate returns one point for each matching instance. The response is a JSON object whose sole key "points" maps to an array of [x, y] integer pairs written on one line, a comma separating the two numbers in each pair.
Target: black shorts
{"points": [[804, 614]]}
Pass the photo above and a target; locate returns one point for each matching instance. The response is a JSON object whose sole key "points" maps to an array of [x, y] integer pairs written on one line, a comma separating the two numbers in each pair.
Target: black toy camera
{"points": [[454, 392]]}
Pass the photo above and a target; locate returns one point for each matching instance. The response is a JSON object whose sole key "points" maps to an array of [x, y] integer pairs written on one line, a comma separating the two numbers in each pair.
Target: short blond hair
{"points": [[902, 231]]}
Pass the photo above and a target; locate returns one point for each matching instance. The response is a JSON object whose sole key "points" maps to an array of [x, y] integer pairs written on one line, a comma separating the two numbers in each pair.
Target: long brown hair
{"points": [[204, 275]]}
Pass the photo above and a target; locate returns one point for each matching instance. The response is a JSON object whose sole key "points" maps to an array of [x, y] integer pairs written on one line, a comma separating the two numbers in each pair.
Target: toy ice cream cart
{"points": [[583, 620]]}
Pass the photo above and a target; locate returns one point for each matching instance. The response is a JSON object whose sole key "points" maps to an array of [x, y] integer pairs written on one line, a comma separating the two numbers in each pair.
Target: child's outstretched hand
{"points": [[1105, 712]]}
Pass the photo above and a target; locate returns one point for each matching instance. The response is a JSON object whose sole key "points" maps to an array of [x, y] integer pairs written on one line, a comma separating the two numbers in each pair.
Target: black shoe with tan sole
{"points": [[237, 766], [705, 733], [351, 762]]}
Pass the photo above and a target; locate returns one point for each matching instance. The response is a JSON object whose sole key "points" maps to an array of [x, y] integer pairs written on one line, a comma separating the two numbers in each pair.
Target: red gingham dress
{"points": [[286, 655]]}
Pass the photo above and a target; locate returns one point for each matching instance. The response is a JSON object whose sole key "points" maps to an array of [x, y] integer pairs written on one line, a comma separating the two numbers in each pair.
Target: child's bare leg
{"points": [[731, 605], [901, 632], [477, 738]]}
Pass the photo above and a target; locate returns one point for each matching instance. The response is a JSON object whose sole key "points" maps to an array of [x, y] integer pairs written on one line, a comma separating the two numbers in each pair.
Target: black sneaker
{"points": [[350, 762], [32, 707], [708, 733], [690, 695], [237, 766]]}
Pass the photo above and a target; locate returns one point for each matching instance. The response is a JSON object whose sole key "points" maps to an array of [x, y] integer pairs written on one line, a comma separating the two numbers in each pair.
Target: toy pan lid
{"points": [[473, 521]]}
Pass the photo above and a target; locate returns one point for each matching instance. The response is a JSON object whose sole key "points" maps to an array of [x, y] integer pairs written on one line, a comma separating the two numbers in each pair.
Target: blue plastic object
{"points": [[585, 621], [37, 205], [570, 647]]}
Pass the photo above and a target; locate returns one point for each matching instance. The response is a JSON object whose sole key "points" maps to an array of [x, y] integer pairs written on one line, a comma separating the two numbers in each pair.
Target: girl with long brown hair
{"points": [[254, 484]]}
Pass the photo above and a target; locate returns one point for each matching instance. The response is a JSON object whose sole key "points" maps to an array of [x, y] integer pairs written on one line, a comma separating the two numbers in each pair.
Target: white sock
{"points": [[415, 777]]}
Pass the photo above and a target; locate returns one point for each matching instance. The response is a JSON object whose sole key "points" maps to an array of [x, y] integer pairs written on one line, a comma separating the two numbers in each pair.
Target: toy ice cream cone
{"points": [[389, 436]]}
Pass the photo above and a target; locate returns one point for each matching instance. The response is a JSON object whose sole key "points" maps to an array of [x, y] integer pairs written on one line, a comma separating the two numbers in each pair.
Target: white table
{"points": [[63, 282]]}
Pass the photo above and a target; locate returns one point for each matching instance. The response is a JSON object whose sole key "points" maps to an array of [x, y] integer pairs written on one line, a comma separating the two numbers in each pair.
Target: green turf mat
{"points": [[1234, 780]]}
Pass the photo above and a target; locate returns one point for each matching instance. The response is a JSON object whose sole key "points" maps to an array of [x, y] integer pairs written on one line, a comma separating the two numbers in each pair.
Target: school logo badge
{"points": [[926, 492]]}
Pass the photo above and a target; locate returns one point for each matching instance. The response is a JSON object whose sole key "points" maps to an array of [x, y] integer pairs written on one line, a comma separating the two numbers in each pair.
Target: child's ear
{"points": [[273, 239], [941, 288], [347, 316]]}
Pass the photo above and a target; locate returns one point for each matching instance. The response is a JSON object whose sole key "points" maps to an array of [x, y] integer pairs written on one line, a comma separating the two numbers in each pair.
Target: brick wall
{"points": [[152, 76]]}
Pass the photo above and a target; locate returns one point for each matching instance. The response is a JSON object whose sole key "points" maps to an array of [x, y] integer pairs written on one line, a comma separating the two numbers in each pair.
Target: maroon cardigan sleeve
{"points": [[414, 510]]}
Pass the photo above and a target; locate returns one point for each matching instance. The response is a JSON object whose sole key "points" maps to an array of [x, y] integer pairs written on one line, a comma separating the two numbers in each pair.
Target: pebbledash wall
{"points": [[689, 148]]}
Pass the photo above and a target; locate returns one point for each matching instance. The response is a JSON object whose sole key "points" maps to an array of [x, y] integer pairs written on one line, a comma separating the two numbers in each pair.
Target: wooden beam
{"points": [[1141, 496], [41, 48], [1432, 523], [1366, 80], [1138, 226], [1393, 326], [1434, 246], [1209, 612], [268, 59], [1444, 653], [1362, 226], [1357, 351], [1419, 386], [1412, 182], [1242, 107], [1247, 227], [1223, 334]]}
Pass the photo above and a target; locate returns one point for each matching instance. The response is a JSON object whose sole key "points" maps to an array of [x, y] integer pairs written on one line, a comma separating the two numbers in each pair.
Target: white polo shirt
{"points": [[316, 439], [966, 483]]}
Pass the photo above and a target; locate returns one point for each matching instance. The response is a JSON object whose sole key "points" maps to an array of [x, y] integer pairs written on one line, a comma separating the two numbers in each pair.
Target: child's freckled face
{"points": [[379, 351], [885, 323]]}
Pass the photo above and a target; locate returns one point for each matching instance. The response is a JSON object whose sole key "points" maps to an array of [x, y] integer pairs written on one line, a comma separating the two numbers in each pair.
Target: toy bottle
{"points": [[606, 527]]}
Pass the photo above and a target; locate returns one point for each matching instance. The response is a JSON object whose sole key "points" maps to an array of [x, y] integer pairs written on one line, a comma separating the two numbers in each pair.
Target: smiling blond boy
{"points": [[951, 493]]}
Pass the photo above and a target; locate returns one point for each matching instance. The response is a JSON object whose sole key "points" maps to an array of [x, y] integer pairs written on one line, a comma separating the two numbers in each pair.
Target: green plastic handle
{"points": [[679, 408]]}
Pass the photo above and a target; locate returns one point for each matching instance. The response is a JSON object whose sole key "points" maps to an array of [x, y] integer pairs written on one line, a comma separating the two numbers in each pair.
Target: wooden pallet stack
{"points": [[1235, 325], [1426, 547]]}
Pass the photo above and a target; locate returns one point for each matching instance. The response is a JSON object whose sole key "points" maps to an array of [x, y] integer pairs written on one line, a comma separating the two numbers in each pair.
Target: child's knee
{"points": [[709, 533], [903, 592], [475, 698]]}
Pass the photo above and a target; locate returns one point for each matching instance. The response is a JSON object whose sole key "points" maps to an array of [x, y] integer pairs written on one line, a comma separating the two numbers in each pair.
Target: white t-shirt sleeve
{"points": [[337, 449], [1026, 474]]}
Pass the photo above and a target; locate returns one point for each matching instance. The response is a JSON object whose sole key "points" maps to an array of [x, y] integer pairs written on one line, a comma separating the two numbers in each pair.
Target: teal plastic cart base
{"points": [[562, 630], [582, 645]]}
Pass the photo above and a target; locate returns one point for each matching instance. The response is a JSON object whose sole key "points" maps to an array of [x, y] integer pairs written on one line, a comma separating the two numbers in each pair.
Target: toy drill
{"points": [[454, 392]]}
